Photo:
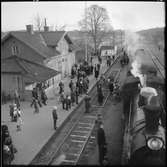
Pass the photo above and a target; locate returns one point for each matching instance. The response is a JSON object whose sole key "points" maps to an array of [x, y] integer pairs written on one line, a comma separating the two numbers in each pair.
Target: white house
{"points": [[64, 54], [107, 50]]}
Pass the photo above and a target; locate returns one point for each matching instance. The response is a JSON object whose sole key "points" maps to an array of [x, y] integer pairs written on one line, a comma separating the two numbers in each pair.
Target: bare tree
{"points": [[60, 28], [96, 24], [38, 22]]}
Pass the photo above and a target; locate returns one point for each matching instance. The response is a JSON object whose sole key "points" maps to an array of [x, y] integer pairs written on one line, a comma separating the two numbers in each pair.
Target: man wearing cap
{"points": [[101, 141], [55, 117]]}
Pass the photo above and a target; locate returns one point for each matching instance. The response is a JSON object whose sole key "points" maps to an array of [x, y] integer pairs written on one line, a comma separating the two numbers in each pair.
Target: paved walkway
{"points": [[37, 128]]}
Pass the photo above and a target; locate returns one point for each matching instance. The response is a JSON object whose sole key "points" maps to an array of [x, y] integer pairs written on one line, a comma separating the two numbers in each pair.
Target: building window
{"points": [[15, 50]]}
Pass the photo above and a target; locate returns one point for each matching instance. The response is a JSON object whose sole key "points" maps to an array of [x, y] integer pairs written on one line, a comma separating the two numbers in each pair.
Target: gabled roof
{"points": [[34, 72], [52, 37], [34, 41], [40, 41]]}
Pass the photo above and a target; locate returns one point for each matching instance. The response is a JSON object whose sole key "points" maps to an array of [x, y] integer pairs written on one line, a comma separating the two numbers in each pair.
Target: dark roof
{"points": [[41, 42], [32, 71], [52, 37], [10, 66], [34, 41], [106, 48]]}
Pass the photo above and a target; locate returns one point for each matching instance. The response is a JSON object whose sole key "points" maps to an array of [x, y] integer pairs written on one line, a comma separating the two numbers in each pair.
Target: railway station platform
{"points": [[37, 128]]}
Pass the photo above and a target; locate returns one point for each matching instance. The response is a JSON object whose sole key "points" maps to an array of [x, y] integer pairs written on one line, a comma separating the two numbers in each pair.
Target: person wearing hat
{"points": [[15, 112], [55, 117]]}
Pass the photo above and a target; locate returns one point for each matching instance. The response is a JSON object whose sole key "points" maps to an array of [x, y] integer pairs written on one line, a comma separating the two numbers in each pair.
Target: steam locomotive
{"points": [[145, 119]]}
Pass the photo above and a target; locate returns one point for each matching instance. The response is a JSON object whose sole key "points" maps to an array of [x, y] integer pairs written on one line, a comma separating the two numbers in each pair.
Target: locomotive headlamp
{"points": [[155, 143]]}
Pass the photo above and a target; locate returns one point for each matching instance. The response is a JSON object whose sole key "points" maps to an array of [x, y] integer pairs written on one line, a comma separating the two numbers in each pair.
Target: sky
{"points": [[131, 15]]}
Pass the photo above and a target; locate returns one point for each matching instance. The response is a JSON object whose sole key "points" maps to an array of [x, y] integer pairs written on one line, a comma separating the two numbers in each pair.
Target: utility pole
{"points": [[86, 50]]}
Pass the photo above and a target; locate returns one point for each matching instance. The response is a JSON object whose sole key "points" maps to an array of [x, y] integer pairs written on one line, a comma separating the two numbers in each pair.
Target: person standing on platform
{"points": [[35, 103], [69, 101], [76, 94], [91, 68], [96, 72], [19, 120], [63, 100], [17, 98], [87, 103], [11, 107], [43, 96], [61, 86], [113, 58], [101, 141], [35, 96], [100, 95], [73, 97], [55, 117], [111, 86], [98, 67], [15, 111], [71, 85]]}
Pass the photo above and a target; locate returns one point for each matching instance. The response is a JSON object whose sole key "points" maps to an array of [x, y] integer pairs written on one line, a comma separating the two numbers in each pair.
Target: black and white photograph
{"points": [[83, 83]]}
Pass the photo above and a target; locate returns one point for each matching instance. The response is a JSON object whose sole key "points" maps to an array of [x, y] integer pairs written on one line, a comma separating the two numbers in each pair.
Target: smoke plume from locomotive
{"points": [[132, 43]]}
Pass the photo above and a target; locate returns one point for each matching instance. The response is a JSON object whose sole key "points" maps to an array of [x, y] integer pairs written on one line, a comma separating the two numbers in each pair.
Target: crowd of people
{"points": [[77, 88], [78, 85]]}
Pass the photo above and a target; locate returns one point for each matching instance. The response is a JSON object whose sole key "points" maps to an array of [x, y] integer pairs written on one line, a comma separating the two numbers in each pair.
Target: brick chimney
{"points": [[29, 28], [46, 28]]}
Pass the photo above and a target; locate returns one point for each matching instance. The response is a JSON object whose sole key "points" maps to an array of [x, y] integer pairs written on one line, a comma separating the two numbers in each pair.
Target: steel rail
{"points": [[148, 50]]}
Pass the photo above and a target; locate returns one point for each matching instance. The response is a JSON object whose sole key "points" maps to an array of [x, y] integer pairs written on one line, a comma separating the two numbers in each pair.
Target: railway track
{"points": [[159, 65], [66, 147]]}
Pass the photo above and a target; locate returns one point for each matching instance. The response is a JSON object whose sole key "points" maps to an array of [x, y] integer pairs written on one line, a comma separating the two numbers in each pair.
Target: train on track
{"points": [[145, 119]]}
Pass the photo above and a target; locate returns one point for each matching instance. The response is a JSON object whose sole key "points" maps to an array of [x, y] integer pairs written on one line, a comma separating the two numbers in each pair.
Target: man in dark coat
{"points": [[100, 96], [43, 96], [76, 94], [91, 68], [101, 141], [61, 86], [55, 117], [72, 97], [111, 86], [35, 96], [96, 72], [98, 67], [63, 100], [87, 103], [71, 85]]}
